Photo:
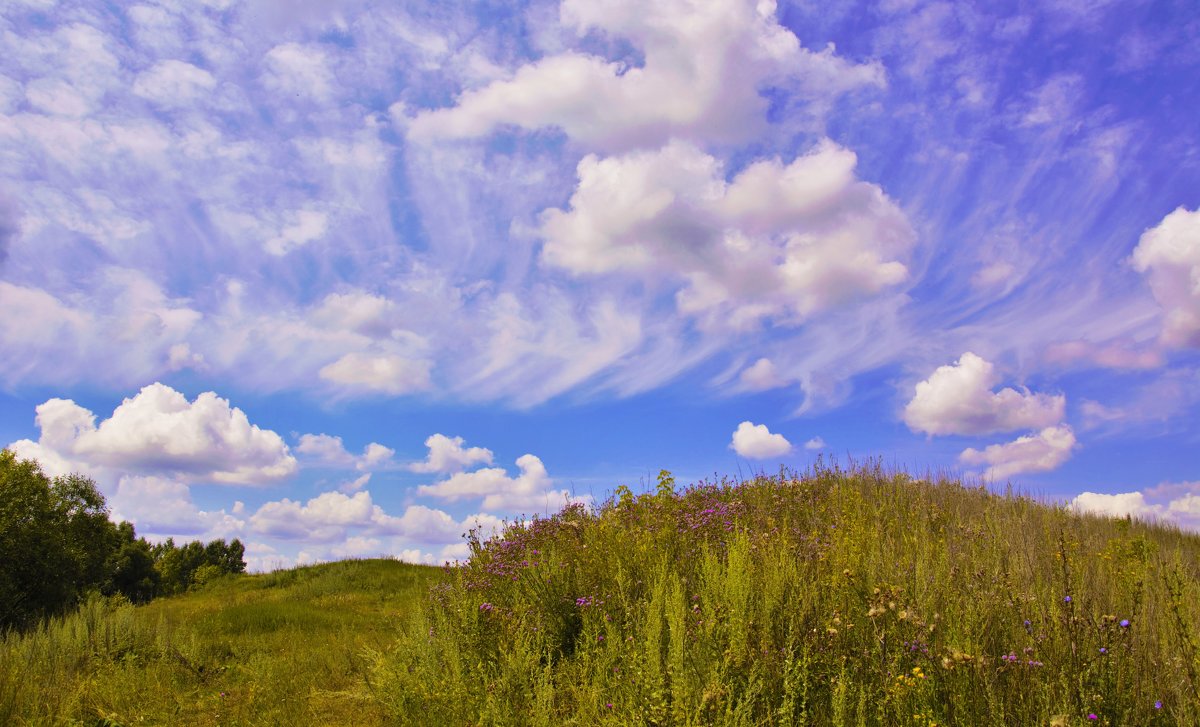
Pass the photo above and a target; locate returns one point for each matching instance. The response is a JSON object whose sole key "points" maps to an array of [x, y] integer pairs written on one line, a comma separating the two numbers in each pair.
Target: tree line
{"points": [[57, 544]]}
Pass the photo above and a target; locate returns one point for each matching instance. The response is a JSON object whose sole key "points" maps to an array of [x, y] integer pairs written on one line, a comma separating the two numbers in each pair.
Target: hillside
{"points": [[829, 597], [279, 648], [832, 597]]}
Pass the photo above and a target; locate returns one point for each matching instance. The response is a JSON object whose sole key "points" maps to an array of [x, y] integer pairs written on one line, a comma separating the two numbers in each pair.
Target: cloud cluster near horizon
{"points": [[155, 446]]}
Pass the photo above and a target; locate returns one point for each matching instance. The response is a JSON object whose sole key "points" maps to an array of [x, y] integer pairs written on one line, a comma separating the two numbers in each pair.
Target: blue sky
{"points": [[347, 278]]}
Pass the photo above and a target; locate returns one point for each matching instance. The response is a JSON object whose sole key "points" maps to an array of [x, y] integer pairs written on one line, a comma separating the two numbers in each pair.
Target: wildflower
{"points": [[1092, 715], [1158, 704], [1124, 623], [1067, 599], [486, 607], [608, 705]]}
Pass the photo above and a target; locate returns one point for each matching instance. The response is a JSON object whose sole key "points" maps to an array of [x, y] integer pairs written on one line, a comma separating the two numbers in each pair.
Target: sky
{"points": [[350, 278]]}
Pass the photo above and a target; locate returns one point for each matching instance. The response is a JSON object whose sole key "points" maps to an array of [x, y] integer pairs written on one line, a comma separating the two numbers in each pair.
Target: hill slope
{"points": [[834, 597], [279, 648]]}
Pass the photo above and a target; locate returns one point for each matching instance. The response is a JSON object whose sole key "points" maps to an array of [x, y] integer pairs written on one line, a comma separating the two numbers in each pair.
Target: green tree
{"points": [[130, 567], [91, 537], [37, 566], [229, 558]]}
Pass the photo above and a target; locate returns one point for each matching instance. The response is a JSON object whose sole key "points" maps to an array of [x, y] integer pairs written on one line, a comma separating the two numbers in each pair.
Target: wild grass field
{"points": [[284, 648], [830, 597], [833, 598]]}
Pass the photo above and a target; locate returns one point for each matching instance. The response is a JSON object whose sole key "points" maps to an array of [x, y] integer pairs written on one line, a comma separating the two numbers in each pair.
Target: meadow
{"points": [[834, 596], [283, 648]]}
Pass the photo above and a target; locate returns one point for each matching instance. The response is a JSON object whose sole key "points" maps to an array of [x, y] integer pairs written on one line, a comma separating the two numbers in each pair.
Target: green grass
{"points": [[831, 598], [286, 648]]}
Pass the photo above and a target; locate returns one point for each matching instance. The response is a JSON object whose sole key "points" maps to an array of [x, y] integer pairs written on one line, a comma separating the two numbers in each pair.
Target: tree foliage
{"points": [[57, 543]]}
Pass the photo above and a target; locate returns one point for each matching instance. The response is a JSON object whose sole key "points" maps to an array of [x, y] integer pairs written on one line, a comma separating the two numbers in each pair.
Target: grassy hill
{"points": [[831, 597], [285, 648], [834, 598]]}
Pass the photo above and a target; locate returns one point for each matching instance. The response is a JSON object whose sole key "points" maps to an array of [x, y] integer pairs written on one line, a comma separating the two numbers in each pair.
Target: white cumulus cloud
{"points": [[330, 450], [159, 431], [531, 488], [755, 441], [1117, 505], [1041, 452], [958, 399], [780, 240], [447, 454], [1169, 256], [701, 78]]}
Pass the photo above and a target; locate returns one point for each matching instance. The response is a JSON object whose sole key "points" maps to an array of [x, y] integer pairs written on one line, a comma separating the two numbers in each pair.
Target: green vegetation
{"points": [[58, 546], [830, 597], [835, 597], [285, 648]]}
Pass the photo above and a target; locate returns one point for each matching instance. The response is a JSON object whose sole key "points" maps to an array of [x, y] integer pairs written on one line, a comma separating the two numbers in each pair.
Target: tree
{"points": [[37, 567], [130, 568], [91, 537]]}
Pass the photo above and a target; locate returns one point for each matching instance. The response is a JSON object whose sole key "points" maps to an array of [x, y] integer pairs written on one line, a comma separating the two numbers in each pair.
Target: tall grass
{"points": [[280, 648], [832, 597]]}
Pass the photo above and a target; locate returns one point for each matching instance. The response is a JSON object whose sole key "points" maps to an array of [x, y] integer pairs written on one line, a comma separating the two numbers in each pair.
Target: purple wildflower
{"points": [[1158, 704], [1067, 599], [1092, 715], [486, 607], [1124, 623]]}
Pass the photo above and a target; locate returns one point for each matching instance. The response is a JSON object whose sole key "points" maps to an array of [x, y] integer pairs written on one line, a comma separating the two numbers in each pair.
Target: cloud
{"points": [[329, 450], [1041, 452], [159, 431], [303, 226], [1169, 256], [782, 241], [324, 518], [1118, 354], [375, 455], [701, 80], [337, 516], [755, 441], [761, 376], [324, 448], [815, 443], [958, 399], [387, 373], [1176, 503], [1119, 505], [447, 454], [356, 484], [532, 488], [160, 506], [9, 223], [124, 336], [299, 70], [174, 83]]}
